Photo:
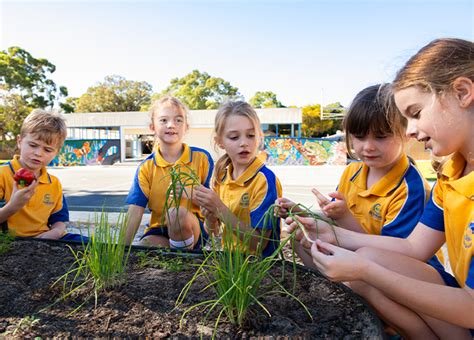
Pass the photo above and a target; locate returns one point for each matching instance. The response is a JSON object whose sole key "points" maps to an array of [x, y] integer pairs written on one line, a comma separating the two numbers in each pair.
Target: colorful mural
{"points": [[88, 152], [304, 151]]}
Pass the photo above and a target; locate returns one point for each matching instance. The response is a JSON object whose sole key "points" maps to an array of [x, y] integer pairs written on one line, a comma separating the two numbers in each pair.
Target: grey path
{"points": [[91, 189]]}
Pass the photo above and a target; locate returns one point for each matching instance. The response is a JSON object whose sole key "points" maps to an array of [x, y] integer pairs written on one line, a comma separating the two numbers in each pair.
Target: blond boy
{"points": [[38, 210]]}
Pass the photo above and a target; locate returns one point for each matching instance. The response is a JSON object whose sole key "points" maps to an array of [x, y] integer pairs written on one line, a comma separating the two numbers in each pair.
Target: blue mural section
{"points": [[88, 152], [304, 151]]}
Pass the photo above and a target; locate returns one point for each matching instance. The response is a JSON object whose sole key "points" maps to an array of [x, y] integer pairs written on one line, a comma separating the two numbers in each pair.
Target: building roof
{"points": [[198, 118]]}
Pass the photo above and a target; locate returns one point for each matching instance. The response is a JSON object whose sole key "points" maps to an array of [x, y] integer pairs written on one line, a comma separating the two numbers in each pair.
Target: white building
{"points": [[132, 128]]}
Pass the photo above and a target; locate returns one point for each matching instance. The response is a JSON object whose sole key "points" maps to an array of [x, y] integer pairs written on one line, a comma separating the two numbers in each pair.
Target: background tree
{"points": [[265, 99], [27, 76], [115, 94], [13, 110], [313, 126], [200, 91]]}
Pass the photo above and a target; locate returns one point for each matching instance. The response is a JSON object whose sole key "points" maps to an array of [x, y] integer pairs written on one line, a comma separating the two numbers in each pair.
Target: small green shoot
{"points": [[5, 242], [172, 264], [24, 325]]}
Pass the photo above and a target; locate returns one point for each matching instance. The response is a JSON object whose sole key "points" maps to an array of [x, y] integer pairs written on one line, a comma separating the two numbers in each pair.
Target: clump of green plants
{"points": [[239, 278], [172, 264], [102, 263], [183, 179], [5, 242]]}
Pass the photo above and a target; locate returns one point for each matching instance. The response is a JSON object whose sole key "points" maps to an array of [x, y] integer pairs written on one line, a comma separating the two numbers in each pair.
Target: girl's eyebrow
{"points": [[248, 130]]}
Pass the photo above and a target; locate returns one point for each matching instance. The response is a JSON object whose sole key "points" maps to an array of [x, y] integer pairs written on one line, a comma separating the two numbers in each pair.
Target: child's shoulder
{"points": [[195, 149]]}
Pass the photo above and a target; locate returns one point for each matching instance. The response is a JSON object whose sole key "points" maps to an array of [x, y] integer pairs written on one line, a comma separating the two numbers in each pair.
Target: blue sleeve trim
{"points": [[257, 215], [209, 160], [433, 214], [470, 275], [136, 195], [61, 215], [409, 215]]}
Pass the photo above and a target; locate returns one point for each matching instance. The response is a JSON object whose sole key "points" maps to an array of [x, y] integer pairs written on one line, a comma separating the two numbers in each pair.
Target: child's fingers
{"points": [[322, 200], [337, 195]]}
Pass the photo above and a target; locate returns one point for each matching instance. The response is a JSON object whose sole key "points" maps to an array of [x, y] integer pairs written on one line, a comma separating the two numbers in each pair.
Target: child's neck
{"points": [[171, 153], [238, 170]]}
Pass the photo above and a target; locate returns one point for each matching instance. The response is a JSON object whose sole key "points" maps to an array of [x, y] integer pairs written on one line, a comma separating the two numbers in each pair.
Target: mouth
{"points": [[244, 153], [426, 141]]}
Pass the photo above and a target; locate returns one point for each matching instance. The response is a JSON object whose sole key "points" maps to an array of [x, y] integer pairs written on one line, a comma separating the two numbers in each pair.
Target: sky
{"points": [[306, 52]]}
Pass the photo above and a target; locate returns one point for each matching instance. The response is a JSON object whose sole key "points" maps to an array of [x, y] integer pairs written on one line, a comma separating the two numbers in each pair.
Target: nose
{"points": [[369, 144], [244, 142], [411, 128]]}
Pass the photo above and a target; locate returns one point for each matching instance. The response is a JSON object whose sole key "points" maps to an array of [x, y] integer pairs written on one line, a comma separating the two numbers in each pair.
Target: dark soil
{"points": [[144, 305]]}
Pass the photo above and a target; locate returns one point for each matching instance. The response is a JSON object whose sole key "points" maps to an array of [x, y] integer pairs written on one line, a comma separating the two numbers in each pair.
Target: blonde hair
{"points": [[47, 126], [373, 111], [157, 105], [236, 108], [435, 66]]}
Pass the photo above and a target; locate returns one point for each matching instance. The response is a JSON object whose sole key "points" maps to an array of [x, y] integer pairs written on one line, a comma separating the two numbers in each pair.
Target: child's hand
{"points": [[313, 230], [338, 264], [212, 222], [334, 209], [284, 206], [22, 195], [207, 198]]}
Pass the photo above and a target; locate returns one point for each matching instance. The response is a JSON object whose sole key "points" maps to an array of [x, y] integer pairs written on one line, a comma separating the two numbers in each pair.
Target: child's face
{"points": [[437, 122], [169, 125], [34, 153], [378, 152], [240, 140]]}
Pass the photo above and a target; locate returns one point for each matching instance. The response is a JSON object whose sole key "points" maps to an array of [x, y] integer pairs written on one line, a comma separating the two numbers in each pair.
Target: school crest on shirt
{"points": [[467, 241], [375, 211], [245, 200], [47, 199]]}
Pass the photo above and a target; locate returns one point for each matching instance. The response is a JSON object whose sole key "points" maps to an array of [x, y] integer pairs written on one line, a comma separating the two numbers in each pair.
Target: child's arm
{"points": [[454, 305], [57, 230], [338, 210], [212, 222], [135, 214], [208, 199], [17, 200]]}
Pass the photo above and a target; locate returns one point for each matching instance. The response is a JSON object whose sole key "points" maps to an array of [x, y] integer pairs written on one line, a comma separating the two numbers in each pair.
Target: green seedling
{"points": [[102, 263], [237, 277], [24, 325], [182, 181], [5, 242], [172, 264]]}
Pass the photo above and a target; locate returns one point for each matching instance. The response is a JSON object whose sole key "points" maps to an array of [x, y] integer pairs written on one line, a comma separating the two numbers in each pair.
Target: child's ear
{"points": [[18, 141], [464, 91], [218, 142], [152, 127]]}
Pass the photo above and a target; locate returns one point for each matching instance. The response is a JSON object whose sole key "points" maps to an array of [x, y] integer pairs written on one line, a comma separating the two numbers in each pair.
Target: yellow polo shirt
{"points": [[393, 205], [46, 207], [451, 210], [249, 197], [152, 180]]}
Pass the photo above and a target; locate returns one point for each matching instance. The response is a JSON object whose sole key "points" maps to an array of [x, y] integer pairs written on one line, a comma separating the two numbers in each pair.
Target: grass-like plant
{"points": [[102, 263], [158, 260], [24, 325], [183, 179], [5, 242], [240, 279]]}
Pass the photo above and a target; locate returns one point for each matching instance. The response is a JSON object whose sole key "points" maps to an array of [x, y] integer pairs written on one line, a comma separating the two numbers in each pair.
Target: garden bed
{"points": [[144, 305]]}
